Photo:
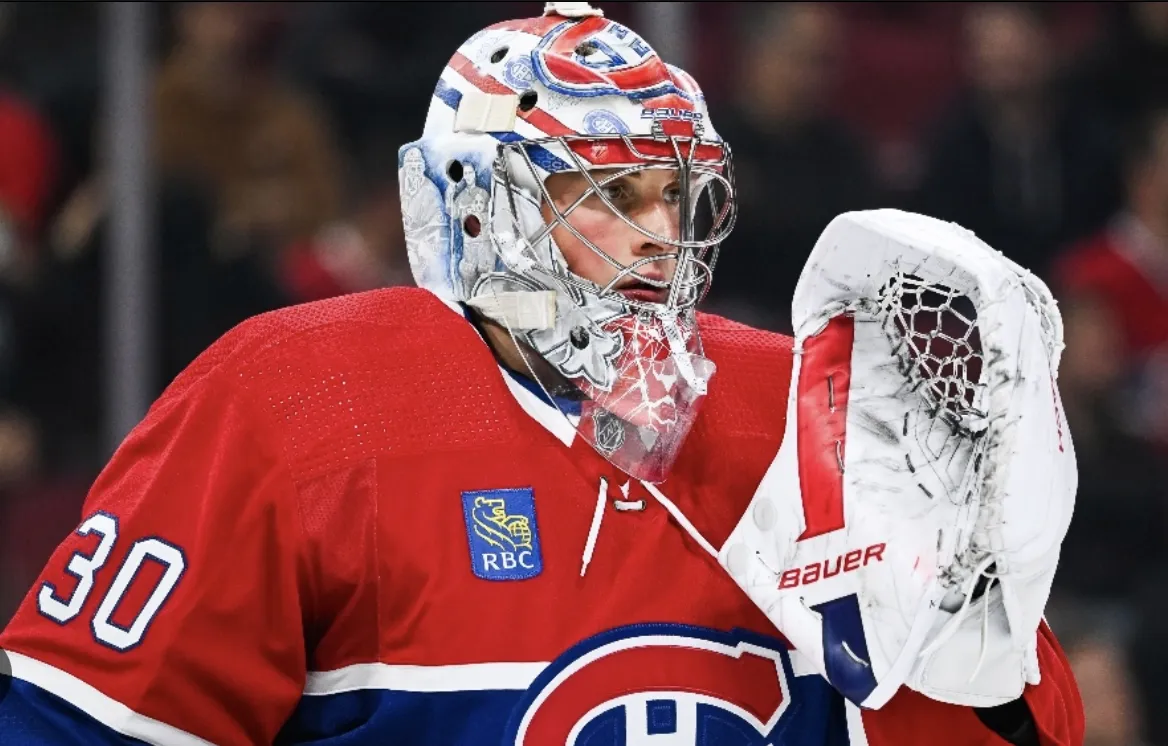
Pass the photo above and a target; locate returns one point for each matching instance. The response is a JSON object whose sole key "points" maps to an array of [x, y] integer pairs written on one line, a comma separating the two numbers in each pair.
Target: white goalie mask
{"points": [[574, 92]]}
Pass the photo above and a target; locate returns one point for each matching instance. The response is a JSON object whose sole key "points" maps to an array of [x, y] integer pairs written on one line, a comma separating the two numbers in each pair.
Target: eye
{"points": [[672, 194], [617, 192]]}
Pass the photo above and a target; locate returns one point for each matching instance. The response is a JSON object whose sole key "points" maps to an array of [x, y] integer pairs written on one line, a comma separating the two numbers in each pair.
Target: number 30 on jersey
{"points": [[85, 567]]}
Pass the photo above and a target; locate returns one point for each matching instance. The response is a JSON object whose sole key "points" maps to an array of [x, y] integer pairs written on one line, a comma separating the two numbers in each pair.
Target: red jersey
{"points": [[344, 524]]}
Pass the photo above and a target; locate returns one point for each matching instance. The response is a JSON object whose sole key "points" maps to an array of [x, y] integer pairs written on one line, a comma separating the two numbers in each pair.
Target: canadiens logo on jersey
{"points": [[503, 535], [658, 685]]}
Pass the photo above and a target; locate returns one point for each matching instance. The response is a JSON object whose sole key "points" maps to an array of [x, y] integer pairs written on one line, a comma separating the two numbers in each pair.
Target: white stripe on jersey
{"points": [[562, 427], [856, 734], [453, 678], [801, 665], [109, 712]]}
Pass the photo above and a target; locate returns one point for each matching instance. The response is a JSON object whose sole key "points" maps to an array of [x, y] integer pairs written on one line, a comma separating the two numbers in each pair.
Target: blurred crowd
{"points": [[1042, 126]]}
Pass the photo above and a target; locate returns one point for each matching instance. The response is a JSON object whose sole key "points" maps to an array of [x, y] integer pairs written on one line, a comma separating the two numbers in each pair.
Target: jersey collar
{"points": [[530, 396]]}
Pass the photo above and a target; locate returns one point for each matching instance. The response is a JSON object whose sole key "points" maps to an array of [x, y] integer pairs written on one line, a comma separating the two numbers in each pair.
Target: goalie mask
{"points": [[574, 93]]}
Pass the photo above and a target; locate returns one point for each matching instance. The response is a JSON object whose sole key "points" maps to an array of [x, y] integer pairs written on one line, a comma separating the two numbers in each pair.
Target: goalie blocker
{"points": [[908, 530]]}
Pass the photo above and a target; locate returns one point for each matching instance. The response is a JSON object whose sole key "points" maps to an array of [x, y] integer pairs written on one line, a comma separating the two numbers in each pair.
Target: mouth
{"points": [[643, 292]]}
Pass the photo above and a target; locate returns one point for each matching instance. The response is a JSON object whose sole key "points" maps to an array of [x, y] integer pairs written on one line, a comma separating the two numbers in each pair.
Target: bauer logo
{"points": [[671, 113], [503, 536]]}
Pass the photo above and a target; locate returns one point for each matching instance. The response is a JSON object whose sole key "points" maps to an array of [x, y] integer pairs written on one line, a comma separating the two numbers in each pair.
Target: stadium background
{"points": [[169, 169]]}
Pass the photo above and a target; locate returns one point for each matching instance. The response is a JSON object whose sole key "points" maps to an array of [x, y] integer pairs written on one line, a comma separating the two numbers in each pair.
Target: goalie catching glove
{"points": [[909, 528]]}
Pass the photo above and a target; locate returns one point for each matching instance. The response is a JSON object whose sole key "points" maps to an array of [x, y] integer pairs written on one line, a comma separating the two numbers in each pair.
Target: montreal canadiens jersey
{"points": [[346, 525]]}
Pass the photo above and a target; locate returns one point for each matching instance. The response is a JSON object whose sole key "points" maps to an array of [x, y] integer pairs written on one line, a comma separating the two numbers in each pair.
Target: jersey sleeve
{"points": [[911, 719], [174, 613]]}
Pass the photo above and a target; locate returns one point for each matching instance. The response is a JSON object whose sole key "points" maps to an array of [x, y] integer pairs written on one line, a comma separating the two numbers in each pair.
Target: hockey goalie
{"points": [[542, 500]]}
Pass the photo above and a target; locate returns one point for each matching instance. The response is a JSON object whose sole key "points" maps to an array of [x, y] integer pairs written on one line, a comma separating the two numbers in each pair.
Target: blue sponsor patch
{"points": [[503, 536], [601, 122]]}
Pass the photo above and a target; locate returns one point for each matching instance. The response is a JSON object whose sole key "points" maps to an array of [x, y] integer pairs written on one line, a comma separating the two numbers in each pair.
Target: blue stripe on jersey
{"points": [[375, 717], [567, 406], [30, 716]]}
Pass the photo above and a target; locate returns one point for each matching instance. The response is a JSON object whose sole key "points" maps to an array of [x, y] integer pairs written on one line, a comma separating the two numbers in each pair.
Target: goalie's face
{"points": [[624, 231], [648, 198]]}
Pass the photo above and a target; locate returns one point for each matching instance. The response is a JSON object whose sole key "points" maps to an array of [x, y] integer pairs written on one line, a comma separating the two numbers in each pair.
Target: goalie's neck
{"points": [[499, 340], [561, 394]]}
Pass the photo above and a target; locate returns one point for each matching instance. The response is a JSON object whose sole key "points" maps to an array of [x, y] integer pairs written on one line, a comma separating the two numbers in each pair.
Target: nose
{"points": [[657, 218]]}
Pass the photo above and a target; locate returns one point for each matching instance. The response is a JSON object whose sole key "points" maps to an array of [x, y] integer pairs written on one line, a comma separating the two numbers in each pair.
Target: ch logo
{"points": [[658, 685], [597, 57]]}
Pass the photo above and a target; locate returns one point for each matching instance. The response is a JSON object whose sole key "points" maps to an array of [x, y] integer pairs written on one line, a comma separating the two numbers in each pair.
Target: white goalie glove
{"points": [[908, 530]]}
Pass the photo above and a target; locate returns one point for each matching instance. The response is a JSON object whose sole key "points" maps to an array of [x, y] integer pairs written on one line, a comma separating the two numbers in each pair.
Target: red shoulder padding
{"points": [[181, 594], [740, 424]]}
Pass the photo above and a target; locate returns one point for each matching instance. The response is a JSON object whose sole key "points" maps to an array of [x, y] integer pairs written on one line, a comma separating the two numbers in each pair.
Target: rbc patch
{"points": [[501, 529]]}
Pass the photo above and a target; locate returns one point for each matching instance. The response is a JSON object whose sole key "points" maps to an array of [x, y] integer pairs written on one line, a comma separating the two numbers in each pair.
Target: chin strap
{"points": [[528, 310]]}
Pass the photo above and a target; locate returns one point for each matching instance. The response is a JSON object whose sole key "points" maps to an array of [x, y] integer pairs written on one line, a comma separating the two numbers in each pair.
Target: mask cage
{"points": [[706, 205]]}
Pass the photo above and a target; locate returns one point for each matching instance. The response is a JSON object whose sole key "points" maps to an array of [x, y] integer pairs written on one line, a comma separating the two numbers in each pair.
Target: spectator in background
{"points": [[1012, 160], [226, 120], [352, 56], [796, 167], [1113, 290], [64, 338], [49, 56], [28, 171], [42, 98], [1109, 693], [363, 250], [1117, 536], [1099, 653], [1149, 654], [1128, 76], [1123, 270], [28, 174]]}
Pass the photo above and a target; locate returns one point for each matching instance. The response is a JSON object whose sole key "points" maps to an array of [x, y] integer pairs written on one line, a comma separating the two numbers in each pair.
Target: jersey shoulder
{"points": [[394, 370], [748, 393], [740, 426], [378, 316]]}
